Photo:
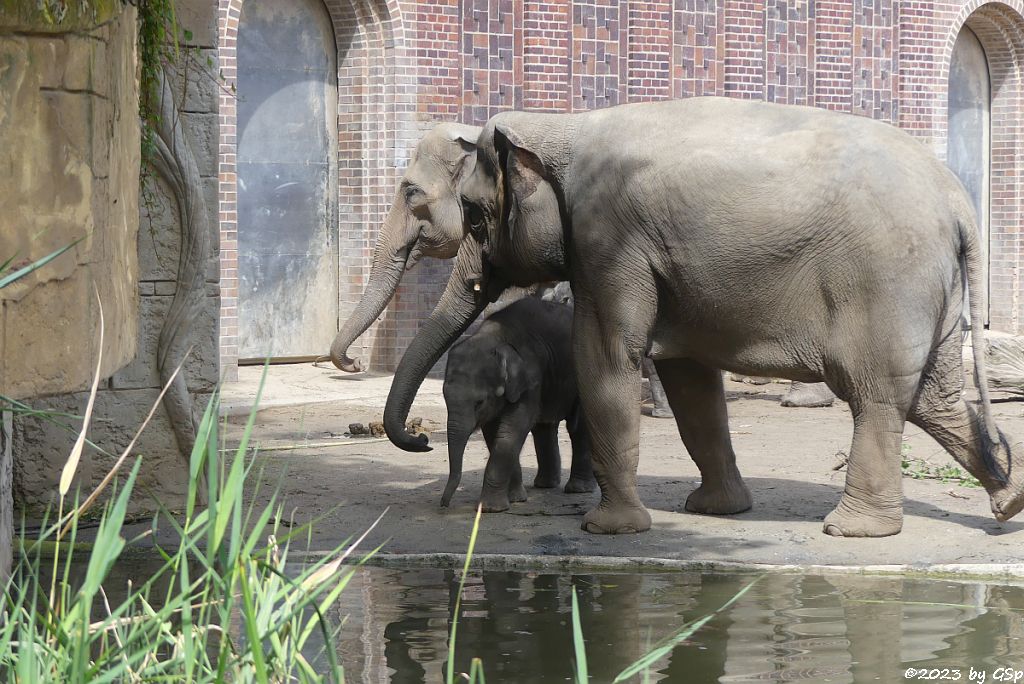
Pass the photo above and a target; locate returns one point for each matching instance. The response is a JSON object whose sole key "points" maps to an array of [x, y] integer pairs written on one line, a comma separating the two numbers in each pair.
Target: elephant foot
{"points": [[725, 500], [853, 521], [546, 480], [580, 485], [1007, 502], [749, 379], [517, 493], [494, 502], [808, 395], [622, 519], [662, 413]]}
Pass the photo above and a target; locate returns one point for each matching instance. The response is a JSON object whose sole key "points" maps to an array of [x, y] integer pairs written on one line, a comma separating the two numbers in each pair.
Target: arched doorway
{"points": [[287, 141], [969, 141]]}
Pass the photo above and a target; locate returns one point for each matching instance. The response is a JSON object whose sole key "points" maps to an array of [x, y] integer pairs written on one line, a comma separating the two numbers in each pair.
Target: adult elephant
{"points": [[763, 239], [425, 220]]}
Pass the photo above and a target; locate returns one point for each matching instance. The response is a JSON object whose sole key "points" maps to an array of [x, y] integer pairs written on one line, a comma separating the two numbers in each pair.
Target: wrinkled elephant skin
{"points": [[762, 239]]}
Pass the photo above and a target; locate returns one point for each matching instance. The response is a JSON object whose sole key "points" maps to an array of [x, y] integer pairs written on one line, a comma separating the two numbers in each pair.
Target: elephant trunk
{"points": [[460, 427], [391, 258], [458, 308]]}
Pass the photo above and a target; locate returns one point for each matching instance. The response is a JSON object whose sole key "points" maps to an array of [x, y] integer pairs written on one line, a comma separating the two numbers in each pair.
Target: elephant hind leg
{"points": [[941, 411], [697, 397], [872, 501], [549, 460], [503, 476], [581, 474]]}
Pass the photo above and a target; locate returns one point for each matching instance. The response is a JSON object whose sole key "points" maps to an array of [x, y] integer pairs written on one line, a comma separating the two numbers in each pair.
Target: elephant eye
{"points": [[475, 217], [413, 195]]}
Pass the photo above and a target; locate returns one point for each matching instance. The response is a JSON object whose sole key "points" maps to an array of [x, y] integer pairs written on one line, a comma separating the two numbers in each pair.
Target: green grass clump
{"points": [[223, 604]]}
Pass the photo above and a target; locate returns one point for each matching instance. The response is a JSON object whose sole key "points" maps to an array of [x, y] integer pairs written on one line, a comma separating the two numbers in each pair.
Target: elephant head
{"points": [[425, 220], [481, 380], [510, 202], [514, 217]]}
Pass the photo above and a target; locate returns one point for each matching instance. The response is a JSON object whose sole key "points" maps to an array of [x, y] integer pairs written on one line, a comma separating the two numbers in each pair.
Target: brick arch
{"points": [[999, 27], [372, 118]]}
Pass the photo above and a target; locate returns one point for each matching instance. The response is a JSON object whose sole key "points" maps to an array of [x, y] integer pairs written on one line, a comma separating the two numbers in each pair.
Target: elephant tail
{"points": [[973, 255]]}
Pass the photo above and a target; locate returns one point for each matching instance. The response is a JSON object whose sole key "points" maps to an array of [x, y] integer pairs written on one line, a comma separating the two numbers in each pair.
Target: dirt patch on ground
{"points": [[787, 457]]}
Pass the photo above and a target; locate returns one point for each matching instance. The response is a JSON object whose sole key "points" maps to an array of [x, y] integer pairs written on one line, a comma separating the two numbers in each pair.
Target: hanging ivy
{"points": [[157, 44]]}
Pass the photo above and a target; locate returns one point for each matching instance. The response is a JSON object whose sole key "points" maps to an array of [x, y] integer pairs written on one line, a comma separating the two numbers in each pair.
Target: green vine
{"points": [[158, 45]]}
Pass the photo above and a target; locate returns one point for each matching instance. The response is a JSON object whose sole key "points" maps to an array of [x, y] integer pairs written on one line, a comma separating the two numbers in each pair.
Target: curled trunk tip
{"points": [[343, 362], [395, 429]]}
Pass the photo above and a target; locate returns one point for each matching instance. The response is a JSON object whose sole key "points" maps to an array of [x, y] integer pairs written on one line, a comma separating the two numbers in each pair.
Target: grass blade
{"points": [[39, 263], [76, 452], [578, 647], [450, 672], [124, 454]]}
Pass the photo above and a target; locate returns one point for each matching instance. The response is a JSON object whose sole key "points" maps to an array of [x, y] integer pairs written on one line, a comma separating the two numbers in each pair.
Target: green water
{"points": [[787, 628]]}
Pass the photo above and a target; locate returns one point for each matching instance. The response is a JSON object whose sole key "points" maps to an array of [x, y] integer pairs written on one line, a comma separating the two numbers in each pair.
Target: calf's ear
{"points": [[513, 374]]}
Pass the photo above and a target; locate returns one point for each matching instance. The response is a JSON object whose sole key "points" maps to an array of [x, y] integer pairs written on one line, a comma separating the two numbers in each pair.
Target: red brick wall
{"points": [[418, 62]]}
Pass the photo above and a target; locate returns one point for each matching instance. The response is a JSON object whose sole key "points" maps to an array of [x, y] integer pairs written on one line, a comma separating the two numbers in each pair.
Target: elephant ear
{"points": [[465, 137], [531, 207], [514, 380]]}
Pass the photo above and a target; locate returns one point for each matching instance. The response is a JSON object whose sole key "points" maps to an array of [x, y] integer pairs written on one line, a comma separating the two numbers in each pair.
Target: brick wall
{"points": [[412, 63]]}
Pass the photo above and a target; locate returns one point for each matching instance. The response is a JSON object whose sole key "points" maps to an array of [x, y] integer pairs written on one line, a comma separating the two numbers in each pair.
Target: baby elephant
{"points": [[512, 377]]}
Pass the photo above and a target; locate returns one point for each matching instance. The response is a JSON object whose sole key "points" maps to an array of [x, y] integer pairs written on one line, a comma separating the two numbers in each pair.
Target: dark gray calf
{"points": [[515, 376]]}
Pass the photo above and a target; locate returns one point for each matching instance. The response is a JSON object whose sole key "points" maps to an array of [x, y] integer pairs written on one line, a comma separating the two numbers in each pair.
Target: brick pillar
{"points": [[744, 49]]}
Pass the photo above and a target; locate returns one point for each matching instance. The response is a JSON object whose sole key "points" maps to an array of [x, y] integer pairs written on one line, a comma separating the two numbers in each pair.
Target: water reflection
{"points": [[788, 628]]}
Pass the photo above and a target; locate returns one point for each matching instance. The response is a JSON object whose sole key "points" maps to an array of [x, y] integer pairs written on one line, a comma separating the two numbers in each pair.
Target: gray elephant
{"points": [[425, 219], [757, 238], [514, 376]]}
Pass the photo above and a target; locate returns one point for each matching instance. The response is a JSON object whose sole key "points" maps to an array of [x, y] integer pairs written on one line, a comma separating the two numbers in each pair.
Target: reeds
{"points": [[222, 604]]}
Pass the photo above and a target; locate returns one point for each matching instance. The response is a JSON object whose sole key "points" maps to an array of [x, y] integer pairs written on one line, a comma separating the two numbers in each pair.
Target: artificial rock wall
{"points": [[126, 395], [69, 164]]}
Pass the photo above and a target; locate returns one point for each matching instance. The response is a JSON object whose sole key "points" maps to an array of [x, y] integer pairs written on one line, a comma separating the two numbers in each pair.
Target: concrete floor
{"points": [[786, 455]]}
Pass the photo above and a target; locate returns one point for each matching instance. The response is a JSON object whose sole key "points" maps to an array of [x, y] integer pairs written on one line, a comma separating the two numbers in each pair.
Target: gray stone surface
{"points": [[197, 85], [71, 151], [6, 502], [116, 417], [159, 237], [787, 457], [149, 280], [201, 372], [203, 132], [201, 19]]}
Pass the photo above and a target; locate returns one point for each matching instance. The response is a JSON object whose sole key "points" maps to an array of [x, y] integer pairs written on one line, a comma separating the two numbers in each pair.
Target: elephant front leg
{"points": [[503, 477], [697, 397], [608, 373]]}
